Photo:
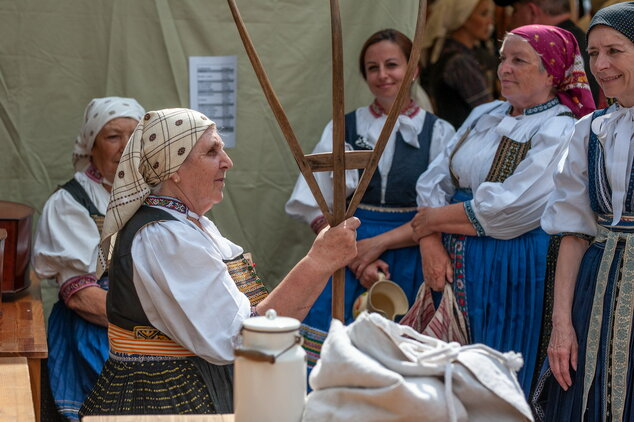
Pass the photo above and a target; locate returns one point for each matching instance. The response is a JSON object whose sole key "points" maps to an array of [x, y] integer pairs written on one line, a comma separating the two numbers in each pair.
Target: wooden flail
{"points": [[339, 160]]}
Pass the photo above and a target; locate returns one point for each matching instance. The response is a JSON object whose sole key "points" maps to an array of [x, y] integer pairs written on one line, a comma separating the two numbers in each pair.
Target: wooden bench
{"points": [[22, 334], [160, 418], [16, 400]]}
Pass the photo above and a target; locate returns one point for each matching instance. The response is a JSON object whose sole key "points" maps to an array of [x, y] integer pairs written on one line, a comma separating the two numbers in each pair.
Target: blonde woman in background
{"points": [[454, 78]]}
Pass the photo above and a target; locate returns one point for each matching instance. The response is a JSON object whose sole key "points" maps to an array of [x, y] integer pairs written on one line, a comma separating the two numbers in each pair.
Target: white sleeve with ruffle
{"points": [[186, 290], [511, 208], [568, 208], [434, 187], [67, 238]]}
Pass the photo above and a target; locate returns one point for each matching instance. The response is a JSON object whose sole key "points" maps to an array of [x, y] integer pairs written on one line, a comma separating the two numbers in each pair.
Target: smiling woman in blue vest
{"points": [[389, 203]]}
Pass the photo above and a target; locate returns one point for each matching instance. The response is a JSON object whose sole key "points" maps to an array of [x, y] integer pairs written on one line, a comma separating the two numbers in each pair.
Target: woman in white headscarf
{"points": [[177, 298], [454, 78], [65, 249]]}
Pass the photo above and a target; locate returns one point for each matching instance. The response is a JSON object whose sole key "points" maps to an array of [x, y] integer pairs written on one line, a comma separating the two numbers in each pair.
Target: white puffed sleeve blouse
{"points": [[185, 288], [503, 210], [67, 238], [568, 209]]}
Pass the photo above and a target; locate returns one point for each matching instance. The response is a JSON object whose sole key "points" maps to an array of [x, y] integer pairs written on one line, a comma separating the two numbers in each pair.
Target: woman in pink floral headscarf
{"points": [[481, 201], [562, 60]]}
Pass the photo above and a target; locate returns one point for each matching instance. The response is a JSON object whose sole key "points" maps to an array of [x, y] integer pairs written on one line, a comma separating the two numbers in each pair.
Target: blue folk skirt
{"points": [[551, 400], [499, 285], [77, 351], [405, 270]]}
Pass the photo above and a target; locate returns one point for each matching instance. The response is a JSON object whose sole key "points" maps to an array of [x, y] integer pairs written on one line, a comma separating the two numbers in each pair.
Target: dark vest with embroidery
{"points": [[122, 302], [407, 165]]}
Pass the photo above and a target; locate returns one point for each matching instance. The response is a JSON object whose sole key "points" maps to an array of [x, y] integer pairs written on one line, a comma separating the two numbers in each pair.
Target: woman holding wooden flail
{"points": [[175, 306]]}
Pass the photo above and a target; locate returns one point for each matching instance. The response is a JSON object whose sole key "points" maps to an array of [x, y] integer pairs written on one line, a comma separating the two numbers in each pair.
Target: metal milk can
{"points": [[269, 383]]}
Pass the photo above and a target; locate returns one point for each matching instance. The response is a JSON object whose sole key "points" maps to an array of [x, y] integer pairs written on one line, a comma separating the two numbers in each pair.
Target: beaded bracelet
{"points": [[318, 224]]}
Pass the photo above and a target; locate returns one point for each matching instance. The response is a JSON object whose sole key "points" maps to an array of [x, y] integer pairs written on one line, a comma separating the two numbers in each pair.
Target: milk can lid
{"points": [[271, 323]]}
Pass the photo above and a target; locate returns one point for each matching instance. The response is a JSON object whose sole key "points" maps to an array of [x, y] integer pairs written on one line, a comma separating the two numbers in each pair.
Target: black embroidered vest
{"points": [[407, 165], [122, 302]]}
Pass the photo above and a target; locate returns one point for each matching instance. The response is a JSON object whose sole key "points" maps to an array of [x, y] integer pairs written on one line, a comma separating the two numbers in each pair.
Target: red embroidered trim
{"points": [[318, 223], [93, 174], [410, 110], [166, 202], [75, 284]]}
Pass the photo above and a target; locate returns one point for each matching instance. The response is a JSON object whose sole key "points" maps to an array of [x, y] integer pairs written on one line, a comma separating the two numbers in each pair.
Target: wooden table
{"points": [[16, 401], [22, 334], [160, 418], [3, 239]]}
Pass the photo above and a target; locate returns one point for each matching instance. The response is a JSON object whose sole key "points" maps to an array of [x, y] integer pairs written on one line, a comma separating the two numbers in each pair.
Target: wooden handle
{"points": [[337, 162], [278, 111], [323, 161], [338, 152]]}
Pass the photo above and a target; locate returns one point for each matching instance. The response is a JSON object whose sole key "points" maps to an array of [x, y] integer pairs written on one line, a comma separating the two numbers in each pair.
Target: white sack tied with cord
{"points": [[377, 370]]}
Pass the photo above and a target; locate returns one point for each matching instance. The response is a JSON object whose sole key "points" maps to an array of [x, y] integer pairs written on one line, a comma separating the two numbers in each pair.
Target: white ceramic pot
{"points": [[384, 297]]}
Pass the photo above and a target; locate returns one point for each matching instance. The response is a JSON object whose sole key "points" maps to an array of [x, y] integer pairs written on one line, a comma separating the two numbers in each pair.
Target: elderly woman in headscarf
{"points": [[454, 77], [65, 249], [175, 306], [591, 360], [483, 198]]}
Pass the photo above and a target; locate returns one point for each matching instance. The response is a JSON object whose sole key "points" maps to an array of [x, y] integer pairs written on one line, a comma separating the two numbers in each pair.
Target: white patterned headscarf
{"points": [[158, 147], [446, 16], [100, 111]]}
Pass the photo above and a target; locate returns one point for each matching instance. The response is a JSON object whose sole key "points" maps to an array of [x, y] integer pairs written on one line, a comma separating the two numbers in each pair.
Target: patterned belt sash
{"points": [[144, 341], [623, 311], [386, 209]]}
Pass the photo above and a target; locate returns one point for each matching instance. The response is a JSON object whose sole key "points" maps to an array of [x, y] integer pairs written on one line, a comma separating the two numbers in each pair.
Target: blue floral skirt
{"points": [[499, 284]]}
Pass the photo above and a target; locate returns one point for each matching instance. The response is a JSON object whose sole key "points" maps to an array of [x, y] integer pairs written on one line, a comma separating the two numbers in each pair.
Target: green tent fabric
{"points": [[57, 55]]}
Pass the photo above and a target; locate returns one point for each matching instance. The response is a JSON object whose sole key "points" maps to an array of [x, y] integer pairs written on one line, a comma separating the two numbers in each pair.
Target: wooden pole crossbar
{"points": [[339, 160]]}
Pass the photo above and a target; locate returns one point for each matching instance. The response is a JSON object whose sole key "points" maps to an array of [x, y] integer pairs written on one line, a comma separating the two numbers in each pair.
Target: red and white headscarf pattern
{"points": [[562, 60]]}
